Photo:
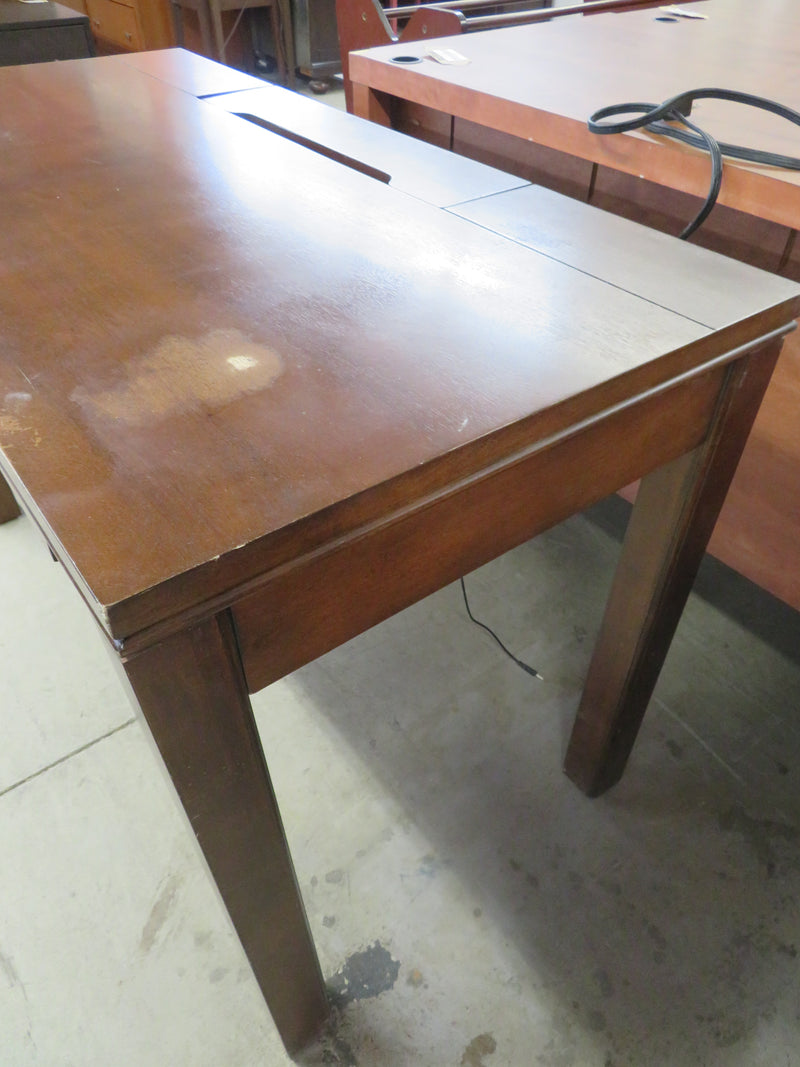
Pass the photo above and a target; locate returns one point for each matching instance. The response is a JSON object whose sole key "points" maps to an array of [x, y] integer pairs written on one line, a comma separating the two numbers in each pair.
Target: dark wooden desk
{"points": [[522, 103], [256, 402], [37, 33], [405, 163]]}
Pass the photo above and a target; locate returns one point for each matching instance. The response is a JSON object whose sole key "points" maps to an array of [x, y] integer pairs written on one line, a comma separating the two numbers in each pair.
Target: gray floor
{"points": [[470, 906]]}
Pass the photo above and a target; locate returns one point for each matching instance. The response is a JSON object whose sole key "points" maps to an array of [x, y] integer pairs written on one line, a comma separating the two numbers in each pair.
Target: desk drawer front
{"points": [[116, 23]]}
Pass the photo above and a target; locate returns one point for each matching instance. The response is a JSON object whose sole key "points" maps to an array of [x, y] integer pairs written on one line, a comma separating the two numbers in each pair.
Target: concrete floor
{"points": [[483, 911]]}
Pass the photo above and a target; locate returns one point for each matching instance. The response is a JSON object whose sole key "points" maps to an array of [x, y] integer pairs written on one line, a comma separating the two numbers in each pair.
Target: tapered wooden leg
{"points": [[9, 509], [192, 693], [674, 515]]}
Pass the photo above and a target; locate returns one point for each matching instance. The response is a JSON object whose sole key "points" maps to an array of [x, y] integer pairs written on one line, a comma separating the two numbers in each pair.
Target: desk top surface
{"points": [[408, 164], [186, 70], [219, 349], [544, 80]]}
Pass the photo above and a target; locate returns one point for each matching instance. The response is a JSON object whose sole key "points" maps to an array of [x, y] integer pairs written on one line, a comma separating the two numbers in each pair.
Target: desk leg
{"points": [[192, 693], [372, 105], [673, 518], [9, 509]]}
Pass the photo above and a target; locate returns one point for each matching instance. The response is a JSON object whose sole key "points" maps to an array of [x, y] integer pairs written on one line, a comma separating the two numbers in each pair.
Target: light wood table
{"points": [[521, 103], [256, 402]]}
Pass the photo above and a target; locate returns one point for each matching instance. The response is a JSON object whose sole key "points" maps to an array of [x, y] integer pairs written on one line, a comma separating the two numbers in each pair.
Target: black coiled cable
{"points": [[657, 118]]}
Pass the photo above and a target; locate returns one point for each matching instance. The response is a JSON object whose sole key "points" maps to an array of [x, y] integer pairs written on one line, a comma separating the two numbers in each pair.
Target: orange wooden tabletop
{"points": [[544, 80], [217, 348]]}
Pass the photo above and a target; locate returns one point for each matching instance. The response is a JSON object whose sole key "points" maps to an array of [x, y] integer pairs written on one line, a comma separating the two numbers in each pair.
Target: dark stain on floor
{"points": [[338, 1053], [365, 974], [480, 1046], [766, 838]]}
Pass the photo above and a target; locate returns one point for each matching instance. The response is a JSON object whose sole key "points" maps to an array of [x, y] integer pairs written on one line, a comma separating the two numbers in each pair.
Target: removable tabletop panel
{"points": [[408, 165]]}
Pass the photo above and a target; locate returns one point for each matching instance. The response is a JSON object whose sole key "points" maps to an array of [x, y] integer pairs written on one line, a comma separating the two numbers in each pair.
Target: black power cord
{"points": [[656, 118], [525, 667]]}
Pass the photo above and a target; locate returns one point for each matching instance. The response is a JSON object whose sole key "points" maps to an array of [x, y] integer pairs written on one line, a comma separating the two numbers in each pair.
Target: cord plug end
{"points": [[530, 670]]}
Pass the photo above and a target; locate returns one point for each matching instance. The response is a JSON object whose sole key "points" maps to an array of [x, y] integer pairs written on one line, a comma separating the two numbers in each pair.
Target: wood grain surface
{"points": [[220, 350], [405, 163], [521, 105], [192, 693]]}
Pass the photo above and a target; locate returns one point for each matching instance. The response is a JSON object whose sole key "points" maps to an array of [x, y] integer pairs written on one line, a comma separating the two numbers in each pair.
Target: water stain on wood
{"points": [[11, 427], [10, 424], [181, 373]]}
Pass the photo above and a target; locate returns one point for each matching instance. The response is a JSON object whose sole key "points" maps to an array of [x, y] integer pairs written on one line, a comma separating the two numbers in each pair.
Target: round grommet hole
{"points": [[406, 59]]}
